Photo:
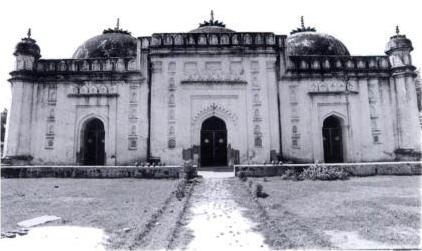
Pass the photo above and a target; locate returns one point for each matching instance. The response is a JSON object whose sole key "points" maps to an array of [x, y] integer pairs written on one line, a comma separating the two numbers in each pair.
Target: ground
{"points": [[367, 212], [215, 220], [110, 204], [222, 211]]}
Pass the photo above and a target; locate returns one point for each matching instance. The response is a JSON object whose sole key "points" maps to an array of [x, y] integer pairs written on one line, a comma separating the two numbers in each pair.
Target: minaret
{"points": [[19, 121], [403, 76]]}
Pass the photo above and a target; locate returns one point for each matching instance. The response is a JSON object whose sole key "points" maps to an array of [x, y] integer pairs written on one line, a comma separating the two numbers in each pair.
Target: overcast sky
{"points": [[59, 27]]}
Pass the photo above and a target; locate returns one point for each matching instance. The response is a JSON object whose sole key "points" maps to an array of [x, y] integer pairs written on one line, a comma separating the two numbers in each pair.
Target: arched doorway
{"points": [[333, 140], [213, 142], [92, 147]]}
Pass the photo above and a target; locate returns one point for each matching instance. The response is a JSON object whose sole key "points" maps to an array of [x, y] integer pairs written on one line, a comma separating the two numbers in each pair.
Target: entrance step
{"points": [[216, 175]]}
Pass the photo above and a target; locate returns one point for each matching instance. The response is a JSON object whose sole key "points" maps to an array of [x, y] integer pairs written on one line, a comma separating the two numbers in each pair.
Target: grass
{"points": [[109, 204], [381, 209]]}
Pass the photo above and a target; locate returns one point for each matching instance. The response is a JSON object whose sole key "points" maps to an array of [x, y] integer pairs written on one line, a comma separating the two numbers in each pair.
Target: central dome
{"points": [[211, 29], [112, 43], [212, 26]]}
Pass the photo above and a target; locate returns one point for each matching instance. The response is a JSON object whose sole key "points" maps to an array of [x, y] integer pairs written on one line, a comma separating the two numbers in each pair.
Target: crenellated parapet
{"points": [[87, 65], [249, 39], [332, 64]]}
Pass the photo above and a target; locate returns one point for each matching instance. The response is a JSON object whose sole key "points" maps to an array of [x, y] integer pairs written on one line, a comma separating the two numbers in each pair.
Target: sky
{"points": [[59, 27]]}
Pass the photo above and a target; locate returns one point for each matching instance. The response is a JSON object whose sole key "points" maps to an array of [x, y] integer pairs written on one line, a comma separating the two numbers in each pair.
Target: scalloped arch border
{"points": [[215, 109]]}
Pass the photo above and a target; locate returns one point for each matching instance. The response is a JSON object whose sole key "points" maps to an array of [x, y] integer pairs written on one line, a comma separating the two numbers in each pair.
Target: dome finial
{"points": [[29, 33], [397, 30], [212, 22], [118, 24], [116, 29], [302, 27]]}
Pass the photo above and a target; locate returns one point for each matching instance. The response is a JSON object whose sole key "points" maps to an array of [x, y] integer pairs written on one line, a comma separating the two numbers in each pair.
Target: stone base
{"points": [[356, 169], [18, 160], [96, 172], [407, 155]]}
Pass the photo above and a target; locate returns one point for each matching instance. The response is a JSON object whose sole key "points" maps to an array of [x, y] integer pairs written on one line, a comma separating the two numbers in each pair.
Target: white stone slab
{"points": [[38, 221], [53, 238]]}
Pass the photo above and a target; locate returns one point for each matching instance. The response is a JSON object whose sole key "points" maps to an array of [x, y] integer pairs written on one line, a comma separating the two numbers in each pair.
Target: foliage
{"points": [[190, 170], [323, 172], [292, 174], [180, 189], [259, 191], [242, 176]]}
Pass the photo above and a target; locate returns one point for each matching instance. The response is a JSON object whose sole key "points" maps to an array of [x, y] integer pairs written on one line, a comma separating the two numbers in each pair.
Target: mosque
{"points": [[215, 96]]}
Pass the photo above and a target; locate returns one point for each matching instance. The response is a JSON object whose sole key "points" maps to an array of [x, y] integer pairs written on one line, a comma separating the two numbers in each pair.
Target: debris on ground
{"points": [[38, 221]]}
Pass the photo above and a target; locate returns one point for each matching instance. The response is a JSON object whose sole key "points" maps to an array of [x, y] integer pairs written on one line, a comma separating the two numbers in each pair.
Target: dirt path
{"points": [[215, 220]]}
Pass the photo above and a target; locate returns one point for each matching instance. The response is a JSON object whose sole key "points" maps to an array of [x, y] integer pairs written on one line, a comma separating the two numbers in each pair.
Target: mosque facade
{"points": [[214, 96]]}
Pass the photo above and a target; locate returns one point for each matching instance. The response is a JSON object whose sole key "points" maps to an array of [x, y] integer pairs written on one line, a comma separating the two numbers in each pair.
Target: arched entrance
{"points": [[333, 140], [92, 147], [213, 142]]}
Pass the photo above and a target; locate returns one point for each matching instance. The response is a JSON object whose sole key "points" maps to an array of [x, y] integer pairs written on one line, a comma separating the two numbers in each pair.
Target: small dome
{"points": [[314, 43], [398, 42], [112, 43], [28, 46]]}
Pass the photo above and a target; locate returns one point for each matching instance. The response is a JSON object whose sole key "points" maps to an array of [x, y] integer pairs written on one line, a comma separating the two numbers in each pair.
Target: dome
{"points": [[212, 26], [305, 43], [112, 43], [28, 46], [211, 29]]}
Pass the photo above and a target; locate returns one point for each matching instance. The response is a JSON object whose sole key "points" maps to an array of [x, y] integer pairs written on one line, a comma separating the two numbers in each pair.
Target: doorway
{"points": [[332, 137], [213, 142], [92, 147]]}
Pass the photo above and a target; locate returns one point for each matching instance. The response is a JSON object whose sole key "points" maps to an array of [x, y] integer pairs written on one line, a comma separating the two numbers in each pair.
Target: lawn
{"points": [[109, 204], [368, 212]]}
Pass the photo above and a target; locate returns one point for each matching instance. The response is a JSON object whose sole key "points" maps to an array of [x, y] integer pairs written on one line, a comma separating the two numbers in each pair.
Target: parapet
{"points": [[248, 39]]}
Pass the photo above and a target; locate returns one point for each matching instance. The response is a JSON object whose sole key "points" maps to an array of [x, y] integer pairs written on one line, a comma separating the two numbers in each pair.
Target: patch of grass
{"points": [[110, 204], [384, 209]]}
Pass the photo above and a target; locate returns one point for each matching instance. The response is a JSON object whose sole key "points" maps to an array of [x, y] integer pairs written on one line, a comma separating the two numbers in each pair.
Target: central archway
{"points": [[213, 142], [92, 147], [332, 136]]}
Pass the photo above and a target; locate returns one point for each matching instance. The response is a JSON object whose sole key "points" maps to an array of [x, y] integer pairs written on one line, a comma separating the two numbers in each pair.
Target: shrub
{"points": [[190, 170], [259, 191], [242, 176], [292, 174], [322, 172], [180, 189]]}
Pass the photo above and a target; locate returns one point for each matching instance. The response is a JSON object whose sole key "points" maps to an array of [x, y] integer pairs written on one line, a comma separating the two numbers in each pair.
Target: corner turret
{"points": [[27, 52], [398, 50]]}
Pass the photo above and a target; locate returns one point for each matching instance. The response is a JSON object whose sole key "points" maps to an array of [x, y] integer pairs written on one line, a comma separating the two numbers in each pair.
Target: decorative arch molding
{"points": [[215, 110], [340, 116]]}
